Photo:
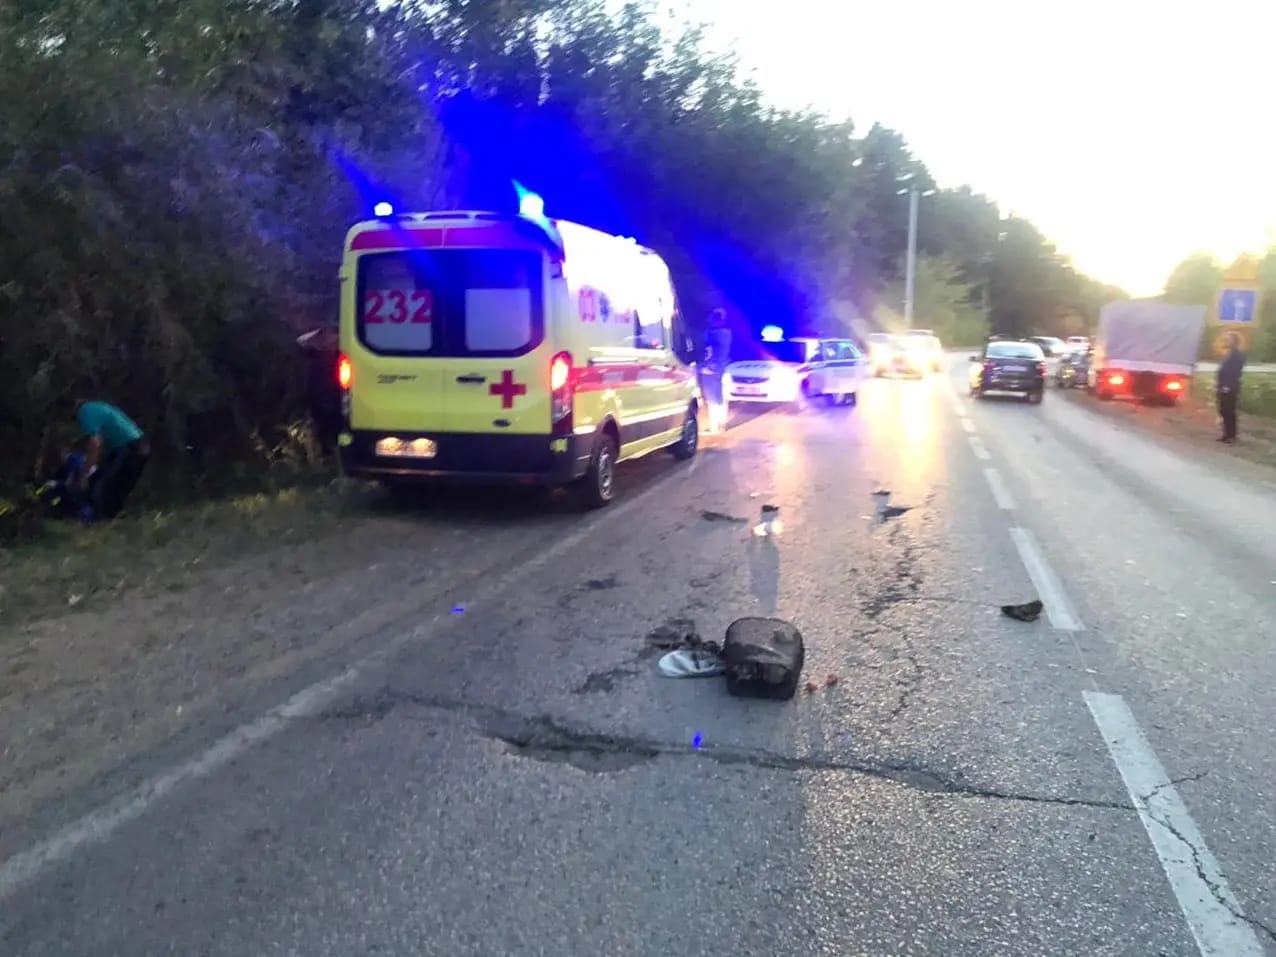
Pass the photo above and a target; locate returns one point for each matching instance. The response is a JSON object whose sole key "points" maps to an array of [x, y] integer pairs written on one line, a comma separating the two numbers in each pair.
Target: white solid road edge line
{"points": [[98, 824], [977, 446], [1000, 493], [1212, 912], [1058, 608]]}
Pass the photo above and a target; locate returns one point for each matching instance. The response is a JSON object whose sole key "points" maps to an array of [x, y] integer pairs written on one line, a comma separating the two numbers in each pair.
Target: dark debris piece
{"points": [[1028, 611]]}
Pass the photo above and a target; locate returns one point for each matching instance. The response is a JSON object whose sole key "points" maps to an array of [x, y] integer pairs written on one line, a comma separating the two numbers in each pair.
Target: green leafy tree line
{"points": [[176, 177]]}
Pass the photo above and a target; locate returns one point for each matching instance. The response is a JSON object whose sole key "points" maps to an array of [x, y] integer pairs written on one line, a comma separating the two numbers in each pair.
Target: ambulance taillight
{"points": [[345, 374], [560, 388]]}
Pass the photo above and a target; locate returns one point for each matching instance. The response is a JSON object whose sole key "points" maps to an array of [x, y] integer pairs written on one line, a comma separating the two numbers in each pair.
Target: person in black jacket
{"points": [[1229, 387], [717, 355]]}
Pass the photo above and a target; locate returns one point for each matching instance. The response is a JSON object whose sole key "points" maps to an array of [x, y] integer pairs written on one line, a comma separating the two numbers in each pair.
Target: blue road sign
{"points": [[1237, 305]]}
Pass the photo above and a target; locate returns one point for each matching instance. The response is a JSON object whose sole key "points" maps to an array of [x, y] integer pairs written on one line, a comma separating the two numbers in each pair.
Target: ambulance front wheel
{"points": [[598, 486], [685, 447]]}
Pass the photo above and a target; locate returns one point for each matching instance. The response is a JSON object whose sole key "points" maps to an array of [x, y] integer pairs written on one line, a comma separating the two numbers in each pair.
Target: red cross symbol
{"points": [[507, 389]]}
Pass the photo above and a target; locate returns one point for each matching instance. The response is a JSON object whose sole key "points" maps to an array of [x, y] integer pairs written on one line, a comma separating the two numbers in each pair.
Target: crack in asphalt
{"points": [[1219, 895], [543, 738], [901, 588]]}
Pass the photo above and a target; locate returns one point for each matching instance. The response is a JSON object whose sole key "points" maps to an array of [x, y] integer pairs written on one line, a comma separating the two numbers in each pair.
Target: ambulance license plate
{"points": [[396, 448], [748, 390]]}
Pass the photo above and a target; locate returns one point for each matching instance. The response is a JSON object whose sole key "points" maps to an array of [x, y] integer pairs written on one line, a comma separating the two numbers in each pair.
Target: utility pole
{"points": [[910, 278]]}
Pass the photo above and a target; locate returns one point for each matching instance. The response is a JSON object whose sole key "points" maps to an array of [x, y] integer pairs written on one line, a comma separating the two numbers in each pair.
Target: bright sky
{"points": [[1130, 132]]}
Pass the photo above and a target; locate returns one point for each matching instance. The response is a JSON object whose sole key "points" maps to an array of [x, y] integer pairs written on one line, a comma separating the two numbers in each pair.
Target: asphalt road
{"points": [[500, 770]]}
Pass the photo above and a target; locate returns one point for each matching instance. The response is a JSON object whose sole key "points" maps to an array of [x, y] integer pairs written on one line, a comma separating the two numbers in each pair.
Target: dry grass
{"points": [[168, 549]]}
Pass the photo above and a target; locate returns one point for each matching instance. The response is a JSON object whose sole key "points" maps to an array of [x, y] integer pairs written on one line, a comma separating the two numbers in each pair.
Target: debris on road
{"points": [[770, 524], [763, 658], [691, 663], [882, 505], [687, 654], [711, 516], [1029, 611]]}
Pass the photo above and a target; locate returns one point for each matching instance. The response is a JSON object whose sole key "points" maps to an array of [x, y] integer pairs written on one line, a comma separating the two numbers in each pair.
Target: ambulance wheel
{"points": [[685, 447], [598, 487]]}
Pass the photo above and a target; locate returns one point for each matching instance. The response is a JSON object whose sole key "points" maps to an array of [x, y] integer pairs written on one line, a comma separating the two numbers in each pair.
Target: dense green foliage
{"points": [[178, 176]]}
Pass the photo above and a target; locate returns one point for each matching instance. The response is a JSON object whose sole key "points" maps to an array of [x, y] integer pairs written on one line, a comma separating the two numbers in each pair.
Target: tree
{"points": [[182, 173]]}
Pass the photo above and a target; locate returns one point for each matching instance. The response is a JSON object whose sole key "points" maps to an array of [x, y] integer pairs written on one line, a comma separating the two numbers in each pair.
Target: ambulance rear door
{"points": [[393, 344], [493, 311]]}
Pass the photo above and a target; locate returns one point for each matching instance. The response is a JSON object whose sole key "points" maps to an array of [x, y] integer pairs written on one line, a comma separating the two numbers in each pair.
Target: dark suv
{"points": [[1005, 366]]}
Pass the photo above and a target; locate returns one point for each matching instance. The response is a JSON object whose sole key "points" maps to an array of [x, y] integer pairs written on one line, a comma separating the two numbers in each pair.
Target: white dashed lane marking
{"points": [[977, 446], [1000, 493], [1213, 913], [967, 425], [1049, 590]]}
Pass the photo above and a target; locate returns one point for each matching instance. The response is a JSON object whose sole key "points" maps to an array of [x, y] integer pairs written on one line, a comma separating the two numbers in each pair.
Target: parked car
{"points": [[926, 344], [1018, 368], [890, 355], [1073, 371], [1052, 346]]}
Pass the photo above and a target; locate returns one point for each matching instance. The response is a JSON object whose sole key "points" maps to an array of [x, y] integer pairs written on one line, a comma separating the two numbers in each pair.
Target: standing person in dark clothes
{"points": [[717, 355], [115, 456], [1229, 386]]}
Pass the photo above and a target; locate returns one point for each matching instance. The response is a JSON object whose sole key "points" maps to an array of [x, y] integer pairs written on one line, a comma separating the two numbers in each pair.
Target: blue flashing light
{"points": [[531, 206], [772, 334], [383, 209], [697, 739]]}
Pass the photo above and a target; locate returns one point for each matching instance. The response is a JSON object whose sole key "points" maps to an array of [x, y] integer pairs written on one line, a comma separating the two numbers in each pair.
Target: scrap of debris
{"points": [[711, 516], [884, 508], [770, 524], [1028, 611]]}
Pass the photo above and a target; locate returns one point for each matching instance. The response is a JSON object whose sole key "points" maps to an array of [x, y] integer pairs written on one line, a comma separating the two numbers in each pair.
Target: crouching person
{"points": [[115, 456]]}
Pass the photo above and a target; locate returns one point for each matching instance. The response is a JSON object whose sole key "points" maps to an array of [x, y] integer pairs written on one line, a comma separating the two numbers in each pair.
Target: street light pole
{"points": [[910, 278]]}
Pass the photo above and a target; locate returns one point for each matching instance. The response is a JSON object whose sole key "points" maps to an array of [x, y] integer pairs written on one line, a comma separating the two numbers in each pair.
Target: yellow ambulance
{"points": [[488, 347]]}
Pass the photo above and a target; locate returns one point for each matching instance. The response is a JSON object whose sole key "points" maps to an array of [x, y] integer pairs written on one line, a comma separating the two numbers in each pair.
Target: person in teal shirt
{"points": [[115, 457]]}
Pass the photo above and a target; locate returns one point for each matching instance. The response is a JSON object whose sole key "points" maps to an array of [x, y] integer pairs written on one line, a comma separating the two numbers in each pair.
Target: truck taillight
{"points": [[1174, 385], [561, 392], [1116, 378], [345, 374]]}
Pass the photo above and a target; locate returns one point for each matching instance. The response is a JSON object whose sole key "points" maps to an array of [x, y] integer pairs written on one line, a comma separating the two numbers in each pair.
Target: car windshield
{"points": [[1014, 350]]}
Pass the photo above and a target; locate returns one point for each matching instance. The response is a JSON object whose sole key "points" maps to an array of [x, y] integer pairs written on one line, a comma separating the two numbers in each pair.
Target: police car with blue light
{"points": [[797, 371]]}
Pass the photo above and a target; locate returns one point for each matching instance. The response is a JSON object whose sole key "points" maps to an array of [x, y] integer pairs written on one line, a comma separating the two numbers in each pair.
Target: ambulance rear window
{"points": [[451, 302]]}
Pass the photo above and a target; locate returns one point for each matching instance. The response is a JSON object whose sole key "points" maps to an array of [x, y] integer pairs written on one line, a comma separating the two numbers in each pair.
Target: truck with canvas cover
{"points": [[1145, 349]]}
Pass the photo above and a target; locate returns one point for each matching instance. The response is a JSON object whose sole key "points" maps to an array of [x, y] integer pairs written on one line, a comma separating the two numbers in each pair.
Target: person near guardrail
{"points": [[1229, 387]]}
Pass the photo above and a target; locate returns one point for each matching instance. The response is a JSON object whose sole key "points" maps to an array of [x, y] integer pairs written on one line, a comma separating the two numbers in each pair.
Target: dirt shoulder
{"points": [[1193, 426]]}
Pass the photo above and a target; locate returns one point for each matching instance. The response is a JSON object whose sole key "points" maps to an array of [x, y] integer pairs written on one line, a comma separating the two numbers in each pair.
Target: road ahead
{"points": [[496, 768]]}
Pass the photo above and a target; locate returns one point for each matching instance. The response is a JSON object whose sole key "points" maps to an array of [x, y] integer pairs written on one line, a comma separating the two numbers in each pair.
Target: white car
{"points": [[1078, 344], [798, 371]]}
